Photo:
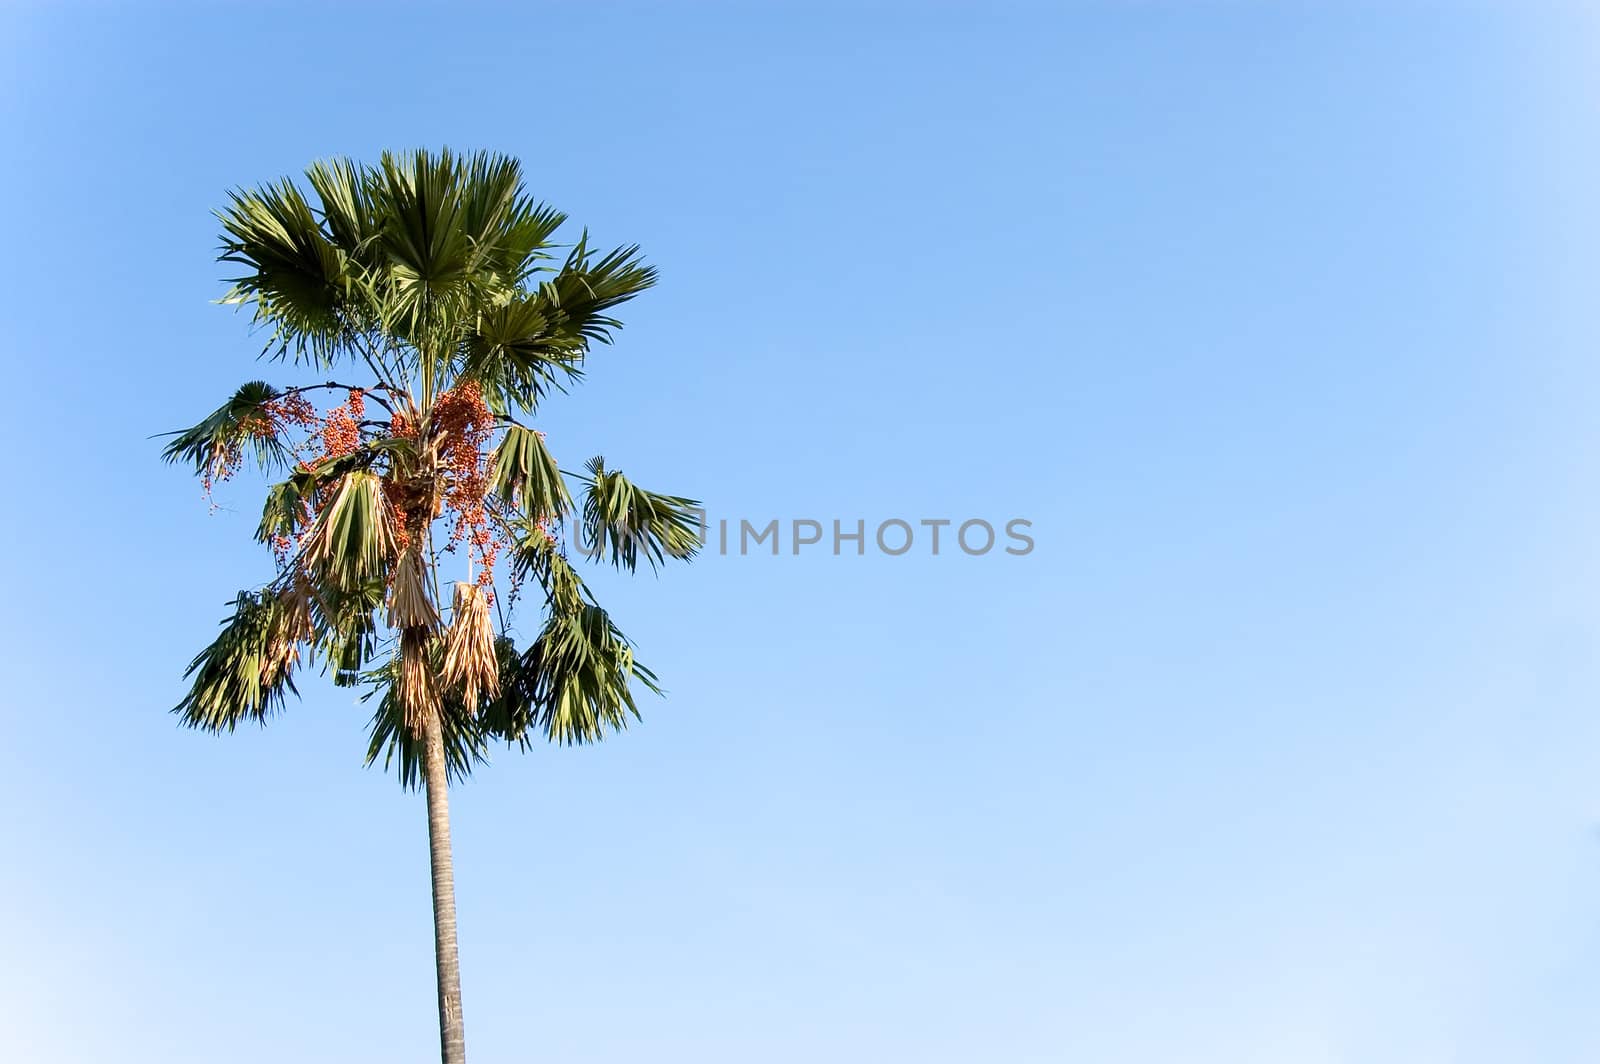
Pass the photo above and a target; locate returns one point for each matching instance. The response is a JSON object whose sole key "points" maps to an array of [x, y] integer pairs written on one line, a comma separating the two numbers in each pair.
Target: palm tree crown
{"points": [[433, 279]]}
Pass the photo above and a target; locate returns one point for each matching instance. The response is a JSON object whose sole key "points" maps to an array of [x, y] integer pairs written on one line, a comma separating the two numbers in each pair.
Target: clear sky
{"points": [[1277, 321]]}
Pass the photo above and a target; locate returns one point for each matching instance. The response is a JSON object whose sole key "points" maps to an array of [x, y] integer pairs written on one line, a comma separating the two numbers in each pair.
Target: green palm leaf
{"points": [[575, 299], [299, 280], [233, 428], [247, 670], [346, 627], [538, 554], [574, 683], [524, 474], [624, 521], [352, 542], [520, 355]]}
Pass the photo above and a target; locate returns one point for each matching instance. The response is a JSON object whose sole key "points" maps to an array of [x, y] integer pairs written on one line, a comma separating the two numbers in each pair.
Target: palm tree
{"points": [[430, 304]]}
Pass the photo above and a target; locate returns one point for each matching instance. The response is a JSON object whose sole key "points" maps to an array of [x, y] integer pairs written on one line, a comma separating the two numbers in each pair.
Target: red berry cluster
{"points": [[341, 429], [266, 422], [463, 424], [396, 497], [291, 409]]}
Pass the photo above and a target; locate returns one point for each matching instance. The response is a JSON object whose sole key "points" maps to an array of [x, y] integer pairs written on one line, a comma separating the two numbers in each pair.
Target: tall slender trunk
{"points": [[452, 1034]]}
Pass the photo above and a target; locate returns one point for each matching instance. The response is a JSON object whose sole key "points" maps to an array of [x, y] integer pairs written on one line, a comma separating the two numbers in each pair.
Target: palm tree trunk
{"points": [[452, 1033]]}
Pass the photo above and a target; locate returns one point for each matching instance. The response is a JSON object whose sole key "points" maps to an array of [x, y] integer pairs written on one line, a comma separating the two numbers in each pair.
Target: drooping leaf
{"points": [[247, 670], [410, 604], [284, 512], [346, 624], [525, 475], [574, 683], [352, 541], [623, 521], [236, 427], [469, 655], [537, 553]]}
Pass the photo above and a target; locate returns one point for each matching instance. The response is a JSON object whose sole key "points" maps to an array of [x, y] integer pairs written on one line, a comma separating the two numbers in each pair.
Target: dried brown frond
{"points": [[418, 691], [409, 604], [290, 627], [469, 657]]}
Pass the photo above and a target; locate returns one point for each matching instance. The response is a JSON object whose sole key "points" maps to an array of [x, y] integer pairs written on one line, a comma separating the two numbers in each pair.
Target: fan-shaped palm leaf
{"points": [[352, 540], [247, 670], [524, 473], [519, 355], [298, 281], [344, 192], [573, 683], [575, 299], [237, 426], [625, 521]]}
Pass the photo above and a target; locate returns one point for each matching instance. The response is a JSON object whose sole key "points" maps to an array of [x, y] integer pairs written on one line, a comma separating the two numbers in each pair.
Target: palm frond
{"points": [[289, 504], [528, 228], [298, 282], [576, 298], [624, 521], [520, 355], [247, 670], [490, 190], [536, 553], [532, 343], [283, 514], [574, 683], [524, 474], [410, 605], [237, 426], [344, 194], [412, 612], [345, 621], [352, 541], [469, 656], [418, 685], [417, 199]]}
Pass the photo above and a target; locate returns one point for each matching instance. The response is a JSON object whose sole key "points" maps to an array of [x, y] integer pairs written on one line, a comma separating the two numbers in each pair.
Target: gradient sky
{"points": [[1277, 321]]}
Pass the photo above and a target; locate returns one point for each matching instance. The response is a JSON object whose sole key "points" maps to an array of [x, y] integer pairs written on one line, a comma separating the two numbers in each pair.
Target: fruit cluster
{"points": [[290, 409], [341, 428], [402, 427], [462, 424], [266, 422]]}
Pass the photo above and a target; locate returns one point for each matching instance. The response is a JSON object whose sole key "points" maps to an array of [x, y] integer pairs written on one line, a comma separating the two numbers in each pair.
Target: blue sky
{"points": [[1275, 320]]}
